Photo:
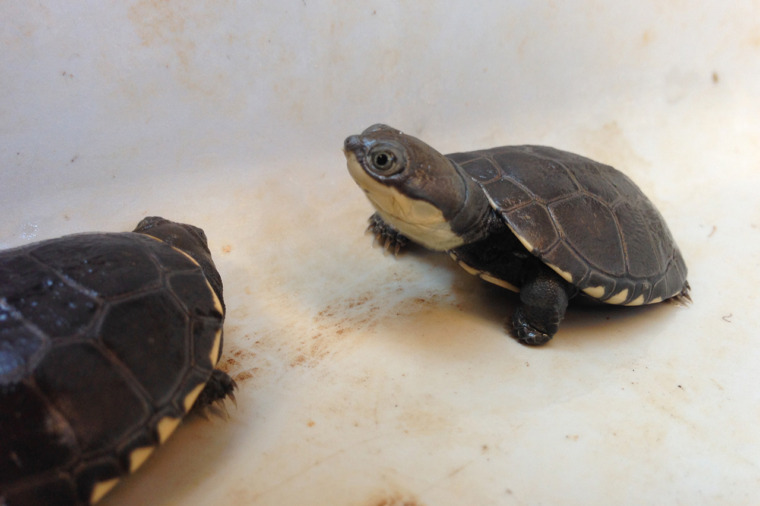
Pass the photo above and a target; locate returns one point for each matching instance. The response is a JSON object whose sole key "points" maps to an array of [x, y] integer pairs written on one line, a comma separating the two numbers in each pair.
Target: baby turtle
{"points": [[543, 222], [106, 342]]}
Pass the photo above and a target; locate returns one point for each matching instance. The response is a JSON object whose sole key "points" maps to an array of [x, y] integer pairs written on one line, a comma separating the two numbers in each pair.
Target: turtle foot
{"points": [[527, 333], [385, 235], [683, 298], [211, 399]]}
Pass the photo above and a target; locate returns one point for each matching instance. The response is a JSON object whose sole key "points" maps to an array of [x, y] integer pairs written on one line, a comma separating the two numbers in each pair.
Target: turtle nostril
{"points": [[352, 143]]}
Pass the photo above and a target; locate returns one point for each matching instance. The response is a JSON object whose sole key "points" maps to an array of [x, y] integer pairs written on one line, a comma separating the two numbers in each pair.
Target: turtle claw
{"points": [[219, 387], [683, 298], [527, 333], [231, 396], [217, 409], [386, 236]]}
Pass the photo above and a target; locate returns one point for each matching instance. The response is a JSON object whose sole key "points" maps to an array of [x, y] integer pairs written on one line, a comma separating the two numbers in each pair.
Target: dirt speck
{"points": [[226, 248]]}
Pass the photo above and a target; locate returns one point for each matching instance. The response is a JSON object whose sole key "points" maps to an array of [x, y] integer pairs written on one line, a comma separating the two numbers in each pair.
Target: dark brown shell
{"points": [[586, 220], [105, 339]]}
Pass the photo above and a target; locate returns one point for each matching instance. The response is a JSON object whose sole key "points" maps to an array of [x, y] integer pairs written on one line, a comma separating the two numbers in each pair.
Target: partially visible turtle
{"points": [[106, 342], [534, 219]]}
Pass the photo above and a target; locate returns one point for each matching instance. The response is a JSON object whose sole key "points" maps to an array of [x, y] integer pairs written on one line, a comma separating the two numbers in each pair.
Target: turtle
{"points": [[540, 221], [107, 340]]}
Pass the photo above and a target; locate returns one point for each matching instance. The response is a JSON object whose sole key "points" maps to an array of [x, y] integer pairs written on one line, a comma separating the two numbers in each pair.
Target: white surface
{"points": [[366, 380]]}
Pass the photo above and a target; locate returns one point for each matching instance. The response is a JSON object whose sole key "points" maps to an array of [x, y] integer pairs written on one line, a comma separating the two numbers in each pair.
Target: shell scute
{"points": [[97, 421], [545, 179], [542, 234], [152, 326], [589, 227], [107, 269]]}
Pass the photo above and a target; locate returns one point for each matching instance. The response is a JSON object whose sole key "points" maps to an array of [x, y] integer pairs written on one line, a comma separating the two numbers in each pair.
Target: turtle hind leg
{"points": [[385, 235], [543, 300], [211, 399], [682, 298]]}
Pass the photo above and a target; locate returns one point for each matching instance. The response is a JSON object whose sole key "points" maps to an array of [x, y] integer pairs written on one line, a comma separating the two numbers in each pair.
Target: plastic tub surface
{"points": [[366, 379]]}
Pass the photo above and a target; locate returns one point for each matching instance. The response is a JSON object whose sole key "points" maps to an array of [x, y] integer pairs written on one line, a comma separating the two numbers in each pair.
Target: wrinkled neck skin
{"points": [[439, 229], [475, 217], [428, 198]]}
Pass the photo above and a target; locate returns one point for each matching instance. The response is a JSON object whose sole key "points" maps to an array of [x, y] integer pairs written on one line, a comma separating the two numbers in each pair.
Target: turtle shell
{"points": [[106, 340], [587, 221]]}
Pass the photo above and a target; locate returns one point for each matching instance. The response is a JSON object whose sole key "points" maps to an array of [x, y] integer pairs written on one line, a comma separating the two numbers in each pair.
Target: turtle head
{"points": [[416, 189], [188, 239]]}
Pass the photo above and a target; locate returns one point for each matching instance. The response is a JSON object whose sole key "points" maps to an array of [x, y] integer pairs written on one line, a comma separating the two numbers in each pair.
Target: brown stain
{"points": [[647, 37], [754, 39], [160, 22], [395, 499], [169, 24], [227, 248], [245, 375], [235, 363], [340, 320], [298, 361]]}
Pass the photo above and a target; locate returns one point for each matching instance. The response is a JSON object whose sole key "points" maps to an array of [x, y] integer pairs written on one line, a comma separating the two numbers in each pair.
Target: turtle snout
{"points": [[352, 143]]}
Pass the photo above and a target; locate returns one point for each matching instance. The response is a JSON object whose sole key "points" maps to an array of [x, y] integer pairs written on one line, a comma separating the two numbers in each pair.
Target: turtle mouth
{"points": [[357, 156], [355, 163]]}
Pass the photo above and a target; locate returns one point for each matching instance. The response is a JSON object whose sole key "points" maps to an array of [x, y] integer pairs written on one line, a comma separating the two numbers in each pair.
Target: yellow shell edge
{"points": [[102, 488]]}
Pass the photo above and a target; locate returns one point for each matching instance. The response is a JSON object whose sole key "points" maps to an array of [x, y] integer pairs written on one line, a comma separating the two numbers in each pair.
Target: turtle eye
{"points": [[385, 162], [382, 160]]}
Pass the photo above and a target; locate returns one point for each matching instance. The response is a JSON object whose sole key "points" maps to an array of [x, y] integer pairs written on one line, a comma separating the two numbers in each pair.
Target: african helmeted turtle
{"points": [[107, 340], [534, 219]]}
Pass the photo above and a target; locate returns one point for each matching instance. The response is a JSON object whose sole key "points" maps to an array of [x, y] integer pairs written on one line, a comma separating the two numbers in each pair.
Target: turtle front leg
{"points": [[544, 297], [385, 235]]}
